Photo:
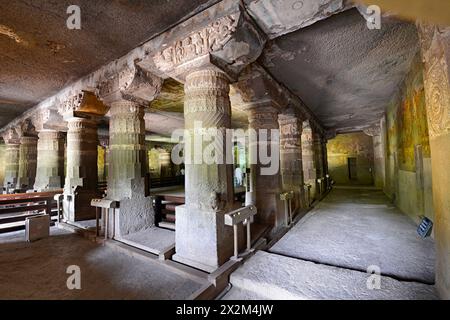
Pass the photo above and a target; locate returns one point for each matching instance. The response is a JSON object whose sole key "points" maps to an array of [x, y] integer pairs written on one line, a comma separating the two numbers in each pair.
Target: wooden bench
{"points": [[15, 208]]}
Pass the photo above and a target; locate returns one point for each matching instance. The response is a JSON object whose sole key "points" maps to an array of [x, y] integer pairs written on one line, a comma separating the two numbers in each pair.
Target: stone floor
{"points": [[38, 271], [268, 276], [326, 255]]}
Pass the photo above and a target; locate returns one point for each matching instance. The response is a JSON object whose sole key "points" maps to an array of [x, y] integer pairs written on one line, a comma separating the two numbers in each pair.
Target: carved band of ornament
{"points": [[438, 98], [207, 79], [207, 108], [206, 93], [81, 123], [73, 103], [42, 117], [210, 39], [50, 135]]}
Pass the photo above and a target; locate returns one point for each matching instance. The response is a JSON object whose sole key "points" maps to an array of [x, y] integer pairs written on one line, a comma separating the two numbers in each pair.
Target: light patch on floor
{"points": [[38, 271]]}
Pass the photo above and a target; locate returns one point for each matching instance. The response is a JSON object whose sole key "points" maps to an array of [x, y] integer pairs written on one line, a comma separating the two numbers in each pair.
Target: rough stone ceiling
{"points": [[39, 55], [344, 72]]}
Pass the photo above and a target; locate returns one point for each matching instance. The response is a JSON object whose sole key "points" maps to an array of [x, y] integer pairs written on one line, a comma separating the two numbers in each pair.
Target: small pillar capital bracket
{"points": [[82, 104], [131, 84]]}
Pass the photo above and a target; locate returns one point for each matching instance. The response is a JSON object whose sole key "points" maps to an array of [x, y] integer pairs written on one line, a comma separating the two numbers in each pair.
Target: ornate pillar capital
{"points": [[131, 84], [48, 119], [83, 104], [224, 37], [25, 129], [10, 136]]}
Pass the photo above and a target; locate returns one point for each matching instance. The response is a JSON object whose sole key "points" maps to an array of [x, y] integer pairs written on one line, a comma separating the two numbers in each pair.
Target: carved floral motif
{"points": [[210, 39]]}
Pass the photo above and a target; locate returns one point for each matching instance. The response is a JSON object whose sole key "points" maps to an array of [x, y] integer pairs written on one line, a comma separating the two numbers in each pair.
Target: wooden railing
{"points": [[15, 208]]}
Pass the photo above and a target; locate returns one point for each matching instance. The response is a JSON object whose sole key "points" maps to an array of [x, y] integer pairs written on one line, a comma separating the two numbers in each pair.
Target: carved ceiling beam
{"points": [[222, 37], [132, 84], [26, 129], [257, 87], [10, 136], [48, 119], [83, 104]]}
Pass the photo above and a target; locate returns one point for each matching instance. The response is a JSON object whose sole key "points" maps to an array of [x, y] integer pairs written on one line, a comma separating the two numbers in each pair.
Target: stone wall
{"points": [[351, 145], [408, 158]]}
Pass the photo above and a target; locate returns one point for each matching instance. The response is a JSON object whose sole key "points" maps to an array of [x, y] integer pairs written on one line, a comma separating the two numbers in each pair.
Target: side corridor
{"points": [[328, 253]]}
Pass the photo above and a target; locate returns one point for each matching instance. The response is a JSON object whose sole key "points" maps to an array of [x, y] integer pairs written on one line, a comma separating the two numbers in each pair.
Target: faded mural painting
{"points": [[407, 121]]}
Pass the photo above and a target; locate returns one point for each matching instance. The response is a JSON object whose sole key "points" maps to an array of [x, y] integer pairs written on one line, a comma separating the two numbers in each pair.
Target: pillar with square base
{"points": [[51, 129], [128, 178], [50, 161], [291, 162], [12, 142], [82, 112], [309, 165], [263, 122], [202, 239]]}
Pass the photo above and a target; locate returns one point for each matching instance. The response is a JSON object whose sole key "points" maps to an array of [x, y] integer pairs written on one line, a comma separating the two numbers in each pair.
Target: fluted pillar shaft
{"points": [[128, 179], [291, 162], [50, 161], [309, 165], [11, 165], [202, 239], [263, 121], [81, 174], [27, 163]]}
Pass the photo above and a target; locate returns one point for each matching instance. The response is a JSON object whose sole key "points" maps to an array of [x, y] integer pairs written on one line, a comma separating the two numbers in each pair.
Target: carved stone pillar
{"points": [[308, 156], [81, 177], [27, 155], [378, 155], [435, 45], [202, 239], [27, 163], [319, 164], [263, 118], [291, 127], [128, 178], [81, 111], [206, 59], [50, 161], [104, 144], [11, 158]]}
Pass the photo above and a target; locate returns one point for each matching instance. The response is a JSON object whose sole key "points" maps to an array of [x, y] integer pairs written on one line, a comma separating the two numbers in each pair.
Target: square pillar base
{"points": [[202, 240]]}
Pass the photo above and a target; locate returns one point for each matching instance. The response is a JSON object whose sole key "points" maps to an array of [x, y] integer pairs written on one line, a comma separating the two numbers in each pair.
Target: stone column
{"points": [[27, 163], [202, 239], [128, 178], [308, 154], [267, 187], [50, 161], [291, 162], [81, 175], [104, 143], [319, 164], [11, 164], [435, 45], [82, 111], [11, 158]]}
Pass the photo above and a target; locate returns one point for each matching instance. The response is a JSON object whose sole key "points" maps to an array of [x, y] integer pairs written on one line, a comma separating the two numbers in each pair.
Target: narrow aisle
{"points": [[327, 255], [358, 228]]}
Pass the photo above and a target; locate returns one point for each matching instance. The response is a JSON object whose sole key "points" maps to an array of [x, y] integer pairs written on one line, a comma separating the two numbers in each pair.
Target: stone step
{"points": [[271, 276]]}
